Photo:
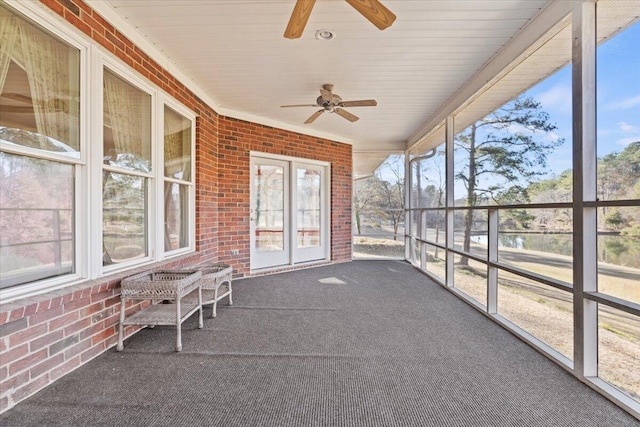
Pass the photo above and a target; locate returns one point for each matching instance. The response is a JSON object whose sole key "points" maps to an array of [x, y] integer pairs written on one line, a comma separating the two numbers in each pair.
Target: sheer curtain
{"points": [[177, 146], [8, 38], [176, 215], [177, 165], [127, 145], [51, 68], [127, 112], [47, 61]]}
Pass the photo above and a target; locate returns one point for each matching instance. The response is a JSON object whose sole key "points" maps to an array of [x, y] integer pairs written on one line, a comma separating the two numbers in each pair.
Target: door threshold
{"points": [[289, 267]]}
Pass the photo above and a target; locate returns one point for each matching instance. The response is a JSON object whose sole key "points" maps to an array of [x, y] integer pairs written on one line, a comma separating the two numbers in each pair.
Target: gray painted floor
{"points": [[366, 343]]}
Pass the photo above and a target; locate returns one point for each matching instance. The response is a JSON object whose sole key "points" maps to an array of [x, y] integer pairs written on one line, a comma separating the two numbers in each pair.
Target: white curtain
{"points": [[176, 211], [127, 113], [177, 164], [177, 146], [47, 64], [8, 38], [52, 71]]}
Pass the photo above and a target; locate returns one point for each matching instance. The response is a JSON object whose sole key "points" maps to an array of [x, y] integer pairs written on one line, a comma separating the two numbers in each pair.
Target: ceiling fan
{"points": [[332, 103], [373, 10]]}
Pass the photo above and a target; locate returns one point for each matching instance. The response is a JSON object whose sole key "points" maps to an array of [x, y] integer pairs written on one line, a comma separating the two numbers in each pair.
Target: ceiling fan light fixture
{"points": [[333, 103], [325, 35]]}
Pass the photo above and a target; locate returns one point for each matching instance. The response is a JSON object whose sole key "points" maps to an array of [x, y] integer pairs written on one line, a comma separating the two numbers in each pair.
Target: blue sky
{"points": [[618, 103], [618, 90]]}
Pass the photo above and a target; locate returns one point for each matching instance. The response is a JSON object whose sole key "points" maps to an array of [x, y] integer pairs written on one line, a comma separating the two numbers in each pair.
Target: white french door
{"points": [[289, 211], [270, 213], [308, 226]]}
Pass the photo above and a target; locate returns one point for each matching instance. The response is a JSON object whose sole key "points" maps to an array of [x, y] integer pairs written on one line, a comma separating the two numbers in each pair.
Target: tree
{"points": [[508, 147], [619, 173], [619, 179], [366, 198], [381, 195], [393, 191], [430, 188], [515, 219], [614, 219]]}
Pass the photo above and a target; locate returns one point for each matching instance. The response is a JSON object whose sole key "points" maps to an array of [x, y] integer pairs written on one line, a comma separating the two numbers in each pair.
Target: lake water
{"points": [[612, 249]]}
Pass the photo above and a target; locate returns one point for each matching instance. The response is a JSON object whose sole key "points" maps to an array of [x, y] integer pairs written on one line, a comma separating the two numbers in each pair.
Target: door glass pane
{"points": [[308, 208], [269, 208]]}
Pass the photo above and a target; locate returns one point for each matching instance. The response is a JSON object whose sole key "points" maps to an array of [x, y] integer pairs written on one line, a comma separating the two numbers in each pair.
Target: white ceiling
{"points": [[234, 51]]}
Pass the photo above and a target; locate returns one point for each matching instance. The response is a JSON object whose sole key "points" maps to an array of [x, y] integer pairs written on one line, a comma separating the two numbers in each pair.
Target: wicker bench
{"points": [[216, 284], [164, 285]]}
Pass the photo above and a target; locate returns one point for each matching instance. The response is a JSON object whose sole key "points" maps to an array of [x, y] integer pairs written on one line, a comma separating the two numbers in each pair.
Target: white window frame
{"points": [[125, 74], [89, 166], [164, 100], [35, 13]]}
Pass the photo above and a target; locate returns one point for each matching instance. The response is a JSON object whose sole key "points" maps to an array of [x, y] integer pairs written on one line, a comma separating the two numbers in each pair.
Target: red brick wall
{"points": [[46, 336], [236, 139]]}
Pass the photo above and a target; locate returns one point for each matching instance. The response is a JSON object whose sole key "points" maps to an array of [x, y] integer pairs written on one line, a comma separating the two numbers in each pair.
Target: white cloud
{"points": [[552, 137], [623, 104], [626, 127], [514, 128], [556, 98], [628, 140], [517, 128]]}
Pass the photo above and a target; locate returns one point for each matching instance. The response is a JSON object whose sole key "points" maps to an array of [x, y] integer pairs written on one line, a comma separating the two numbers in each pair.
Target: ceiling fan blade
{"points": [[347, 115], [314, 116], [299, 18], [299, 105], [374, 11], [361, 103]]}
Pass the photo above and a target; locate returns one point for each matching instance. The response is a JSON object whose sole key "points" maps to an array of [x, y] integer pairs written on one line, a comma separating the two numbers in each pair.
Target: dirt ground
{"points": [[377, 247]]}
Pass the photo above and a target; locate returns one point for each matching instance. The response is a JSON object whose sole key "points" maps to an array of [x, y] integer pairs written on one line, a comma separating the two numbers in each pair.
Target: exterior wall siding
{"points": [[47, 336]]}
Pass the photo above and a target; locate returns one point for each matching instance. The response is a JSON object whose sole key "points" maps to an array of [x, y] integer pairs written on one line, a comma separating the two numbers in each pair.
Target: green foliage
{"points": [[561, 186], [614, 219], [633, 231], [616, 247], [515, 219], [381, 199], [618, 179], [508, 147], [495, 147], [619, 173]]}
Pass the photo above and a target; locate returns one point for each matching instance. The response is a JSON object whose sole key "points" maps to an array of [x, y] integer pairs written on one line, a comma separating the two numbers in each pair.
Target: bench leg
{"points": [[120, 346], [215, 302], [200, 319], [178, 327], [230, 294]]}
